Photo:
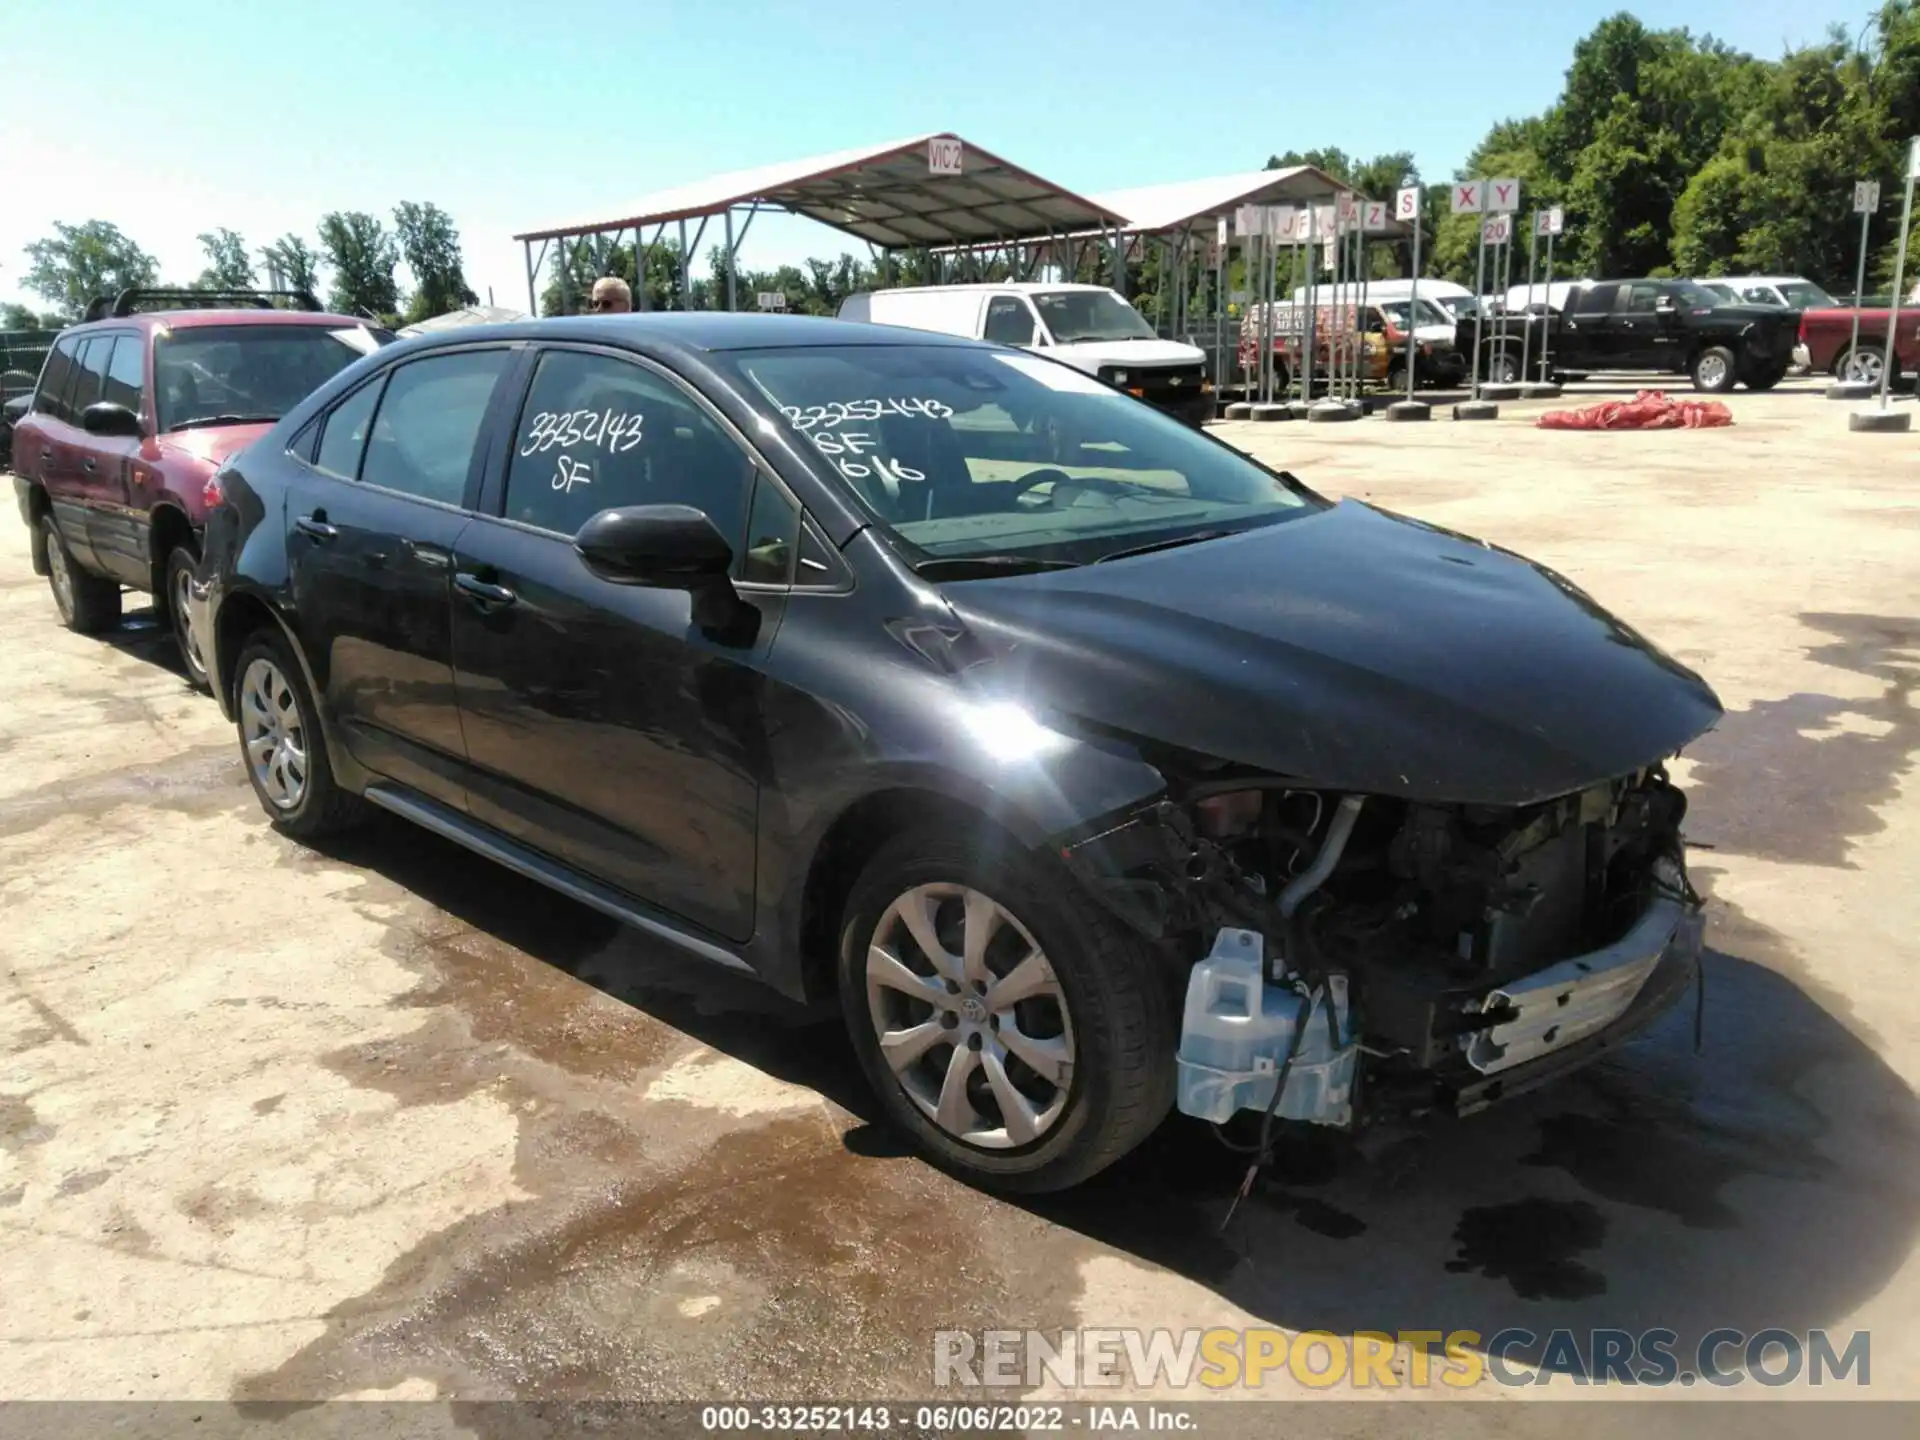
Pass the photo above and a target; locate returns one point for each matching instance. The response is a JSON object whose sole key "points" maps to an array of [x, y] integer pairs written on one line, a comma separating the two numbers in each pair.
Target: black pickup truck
{"points": [[1671, 326]]}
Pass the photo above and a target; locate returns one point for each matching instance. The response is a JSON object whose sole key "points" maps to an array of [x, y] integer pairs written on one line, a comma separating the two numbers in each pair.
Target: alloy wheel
{"points": [[274, 735], [183, 624], [1712, 372], [59, 576], [970, 1016], [1864, 365]]}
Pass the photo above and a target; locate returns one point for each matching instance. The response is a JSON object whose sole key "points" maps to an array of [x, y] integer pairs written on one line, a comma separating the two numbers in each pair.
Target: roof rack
{"points": [[129, 300]]}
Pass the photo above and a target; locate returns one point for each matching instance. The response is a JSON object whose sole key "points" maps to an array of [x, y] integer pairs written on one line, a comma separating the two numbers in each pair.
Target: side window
{"points": [[428, 423], [598, 432], [1639, 299], [127, 372], [773, 537], [1761, 295], [1009, 321], [50, 398], [345, 434], [1596, 299], [89, 375]]}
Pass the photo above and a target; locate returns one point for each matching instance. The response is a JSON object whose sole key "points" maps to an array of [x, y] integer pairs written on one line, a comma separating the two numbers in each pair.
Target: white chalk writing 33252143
{"points": [[611, 430]]}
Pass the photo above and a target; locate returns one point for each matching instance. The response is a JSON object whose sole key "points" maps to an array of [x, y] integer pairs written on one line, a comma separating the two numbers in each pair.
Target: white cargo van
{"points": [[1086, 326]]}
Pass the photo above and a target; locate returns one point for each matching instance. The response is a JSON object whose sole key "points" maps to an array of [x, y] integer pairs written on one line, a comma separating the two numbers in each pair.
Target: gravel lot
{"points": [[388, 1121]]}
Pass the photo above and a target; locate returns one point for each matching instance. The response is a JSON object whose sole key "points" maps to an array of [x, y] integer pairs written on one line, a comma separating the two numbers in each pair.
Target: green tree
{"points": [[227, 265], [80, 262], [292, 265], [431, 247], [15, 316], [362, 256]]}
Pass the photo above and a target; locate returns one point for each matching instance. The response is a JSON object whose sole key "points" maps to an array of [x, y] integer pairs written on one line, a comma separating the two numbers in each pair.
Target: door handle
{"points": [[483, 592], [429, 555], [89, 465], [316, 525]]}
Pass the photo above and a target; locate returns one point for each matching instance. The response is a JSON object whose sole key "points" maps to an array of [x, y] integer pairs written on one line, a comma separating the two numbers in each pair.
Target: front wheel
{"points": [[1713, 370], [179, 593], [1863, 365], [1008, 1024], [1503, 368]]}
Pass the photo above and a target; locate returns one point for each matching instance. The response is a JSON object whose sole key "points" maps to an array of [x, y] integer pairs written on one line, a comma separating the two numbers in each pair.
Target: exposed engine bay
{"points": [[1351, 957]]}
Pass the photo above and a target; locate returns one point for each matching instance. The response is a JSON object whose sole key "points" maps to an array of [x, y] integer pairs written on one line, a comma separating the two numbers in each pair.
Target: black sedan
{"points": [[1089, 785]]}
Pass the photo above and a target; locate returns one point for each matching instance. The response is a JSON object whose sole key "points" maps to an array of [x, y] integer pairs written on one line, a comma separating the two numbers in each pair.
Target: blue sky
{"points": [[262, 116]]}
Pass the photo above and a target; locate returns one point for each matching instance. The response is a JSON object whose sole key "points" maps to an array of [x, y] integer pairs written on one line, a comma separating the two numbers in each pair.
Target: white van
{"points": [[1086, 326]]}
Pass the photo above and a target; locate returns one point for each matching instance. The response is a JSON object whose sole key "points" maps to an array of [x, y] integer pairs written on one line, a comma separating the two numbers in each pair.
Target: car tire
{"points": [[1095, 1014], [181, 565], [1765, 379], [1503, 368], [282, 745], [87, 603], [1713, 370]]}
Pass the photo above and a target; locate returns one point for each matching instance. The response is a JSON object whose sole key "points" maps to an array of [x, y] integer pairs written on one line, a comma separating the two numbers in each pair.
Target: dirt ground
{"points": [[388, 1121]]}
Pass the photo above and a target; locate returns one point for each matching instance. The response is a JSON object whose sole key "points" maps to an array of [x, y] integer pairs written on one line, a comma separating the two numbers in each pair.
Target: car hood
{"points": [[1156, 353], [1352, 648], [212, 444], [1434, 334]]}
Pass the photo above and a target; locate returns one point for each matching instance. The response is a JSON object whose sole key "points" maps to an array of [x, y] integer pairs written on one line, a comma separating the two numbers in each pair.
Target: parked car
{"points": [[1370, 331], [1443, 293], [1828, 345], [1666, 326], [1088, 327], [775, 638], [133, 411], [1783, 292]]}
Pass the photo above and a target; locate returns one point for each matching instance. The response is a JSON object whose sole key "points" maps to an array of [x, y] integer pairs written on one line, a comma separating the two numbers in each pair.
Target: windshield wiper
{"points": [[1193, 539], [223, 420], [965, 567]]}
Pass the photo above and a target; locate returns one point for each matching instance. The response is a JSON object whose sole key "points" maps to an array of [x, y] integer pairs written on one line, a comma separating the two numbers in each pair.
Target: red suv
{"points": [[134, 412]]}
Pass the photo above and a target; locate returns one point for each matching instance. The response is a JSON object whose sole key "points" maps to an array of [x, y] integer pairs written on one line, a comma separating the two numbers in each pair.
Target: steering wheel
{"points": [[1035, 478]]}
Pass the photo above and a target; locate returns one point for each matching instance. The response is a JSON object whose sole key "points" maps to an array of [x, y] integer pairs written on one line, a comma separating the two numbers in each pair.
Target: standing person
{"points": [[611, 296]]}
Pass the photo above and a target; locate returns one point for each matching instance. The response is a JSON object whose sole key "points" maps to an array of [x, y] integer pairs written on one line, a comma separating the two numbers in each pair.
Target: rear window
{"points": [[227, 374], [50, 398]]}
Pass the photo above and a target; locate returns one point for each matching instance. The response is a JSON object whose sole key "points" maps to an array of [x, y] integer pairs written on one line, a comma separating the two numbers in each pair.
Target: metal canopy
{"points": [[884, 194], [1199, 205]]}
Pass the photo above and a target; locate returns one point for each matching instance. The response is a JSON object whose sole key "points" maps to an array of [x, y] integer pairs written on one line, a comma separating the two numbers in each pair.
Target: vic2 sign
{"points": [[943, 157]]}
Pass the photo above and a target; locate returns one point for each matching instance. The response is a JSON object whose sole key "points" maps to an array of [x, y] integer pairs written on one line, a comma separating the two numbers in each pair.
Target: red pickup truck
{"points": [[1827, 345]]}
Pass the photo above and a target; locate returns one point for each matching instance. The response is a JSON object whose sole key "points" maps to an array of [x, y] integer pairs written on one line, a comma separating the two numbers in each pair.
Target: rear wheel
{"points": [[1766, 379], [1503, 368], [282, 743], [1009, 1025], [179, 593], [87, 602], [1863, 364], [1713, 370]]}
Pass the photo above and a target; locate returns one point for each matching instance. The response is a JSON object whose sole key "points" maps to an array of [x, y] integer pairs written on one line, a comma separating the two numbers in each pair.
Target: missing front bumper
{"points": [[1567, 1002]]}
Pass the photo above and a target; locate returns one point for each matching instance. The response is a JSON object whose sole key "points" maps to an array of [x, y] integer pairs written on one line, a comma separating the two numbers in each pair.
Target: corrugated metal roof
{"points": [[886, 194], [1189, 202]]}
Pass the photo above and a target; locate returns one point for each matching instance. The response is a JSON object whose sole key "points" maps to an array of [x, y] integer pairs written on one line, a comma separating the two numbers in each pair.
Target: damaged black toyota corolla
{"points": [[1097, 768]]}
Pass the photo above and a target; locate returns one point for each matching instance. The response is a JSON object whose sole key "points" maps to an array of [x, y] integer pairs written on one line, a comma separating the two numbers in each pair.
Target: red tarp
{"points": [[1649, 410]]}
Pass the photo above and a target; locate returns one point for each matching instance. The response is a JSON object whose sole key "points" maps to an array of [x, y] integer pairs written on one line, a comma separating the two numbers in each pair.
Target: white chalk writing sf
{"points": [[613, 430], [852, 454], [571, 472]]}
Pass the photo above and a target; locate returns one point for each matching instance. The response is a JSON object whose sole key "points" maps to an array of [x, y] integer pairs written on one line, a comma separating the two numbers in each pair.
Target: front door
{"points": [[371, 530], [604, 727], [1642, 330], [103, 463]]}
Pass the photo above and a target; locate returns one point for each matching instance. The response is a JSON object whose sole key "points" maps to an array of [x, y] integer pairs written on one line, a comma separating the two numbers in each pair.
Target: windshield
{"points": [[230, 373], [1426, 313], [971, 455], [1076, 315], [1804, 295]]}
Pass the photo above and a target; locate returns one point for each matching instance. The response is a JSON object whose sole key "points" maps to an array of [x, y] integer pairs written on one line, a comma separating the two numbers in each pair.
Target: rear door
{"points": [[1584, 339], [46, 447], [371, 526], [604, 727]]}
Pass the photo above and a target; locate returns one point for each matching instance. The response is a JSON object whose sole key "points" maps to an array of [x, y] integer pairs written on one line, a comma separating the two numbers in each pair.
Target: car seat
{"points": [[928, 446]]}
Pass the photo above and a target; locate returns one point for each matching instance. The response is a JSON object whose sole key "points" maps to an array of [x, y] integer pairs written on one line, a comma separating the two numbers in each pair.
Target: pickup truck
{"points": [[1671, 326], [1828, 348]]}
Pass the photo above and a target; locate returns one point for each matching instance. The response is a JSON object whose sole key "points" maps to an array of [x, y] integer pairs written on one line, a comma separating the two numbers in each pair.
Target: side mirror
{"points": [[667, 547], [671, 547], [106, 418]]}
